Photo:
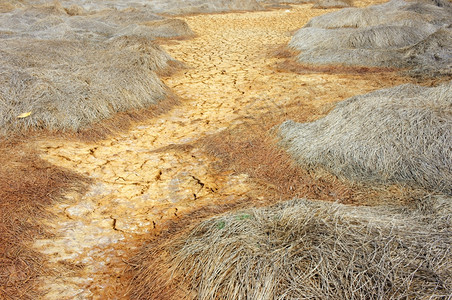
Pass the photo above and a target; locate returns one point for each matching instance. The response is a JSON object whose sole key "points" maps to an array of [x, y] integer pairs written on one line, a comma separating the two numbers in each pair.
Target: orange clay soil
{"points": [[212, 151]]}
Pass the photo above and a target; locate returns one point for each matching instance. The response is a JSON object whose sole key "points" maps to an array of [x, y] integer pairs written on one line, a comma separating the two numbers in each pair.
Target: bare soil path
{"points": [[140, 180]]}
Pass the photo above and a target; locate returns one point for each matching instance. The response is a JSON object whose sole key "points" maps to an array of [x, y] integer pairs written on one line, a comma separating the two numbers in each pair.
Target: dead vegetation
{"points": [[332, 4], [318, 250], [53, 21], [397, 135], [176, 7], [247, 148], [27, 186], [250, 148], [305, 249], [243, 150], [172, 7], [406, 35], [9, 5], [65, 72], [317, 3], [68, 85]]}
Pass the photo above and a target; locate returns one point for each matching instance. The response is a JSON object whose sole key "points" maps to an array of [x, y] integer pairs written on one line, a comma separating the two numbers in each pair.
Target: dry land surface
{"points": [[167, 168]]}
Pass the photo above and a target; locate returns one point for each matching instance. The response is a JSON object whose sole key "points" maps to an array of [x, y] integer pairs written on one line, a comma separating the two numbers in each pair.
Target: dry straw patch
{"points": [[250, 151], [176, 7], [317, 3], [324, 4], [27, 186], [68, 85], [396, 135], [305, 249], [173, 7], [406, 35], [67, 69]]}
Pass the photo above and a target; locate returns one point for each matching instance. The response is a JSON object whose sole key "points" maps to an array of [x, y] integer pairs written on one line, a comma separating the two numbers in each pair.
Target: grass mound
{"points": [[317, 3], [54, 21], [177, 7], [332, 3], [68, 68], [395, 135], [172, 7], [394, 34], [67, 85], [305, 250]]}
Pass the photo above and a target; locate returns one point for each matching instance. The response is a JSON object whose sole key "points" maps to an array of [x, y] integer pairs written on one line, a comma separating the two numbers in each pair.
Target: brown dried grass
{"points": [[119, 123], [28, 185], [394, 34], [250, 148], [397, 75], [397, 135], [327, 4], [138, 274], [303, 249], [291, 65], [282, 51]]}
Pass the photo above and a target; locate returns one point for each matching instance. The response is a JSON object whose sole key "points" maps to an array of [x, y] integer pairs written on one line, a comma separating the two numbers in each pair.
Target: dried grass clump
{"points": [[317, 3], [385, 35], [172, 7], [177, 7], [305, 250], [70, 71], [53, 21], [332, 3], [431, 57], [371, 38], [67, 85], [276, 2], [169, 28], [396, 135], [154, 26], [381, 14]]}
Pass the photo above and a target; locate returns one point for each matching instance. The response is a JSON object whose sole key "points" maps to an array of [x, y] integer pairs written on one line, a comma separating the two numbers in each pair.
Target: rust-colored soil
{"points": [[211, 152]]}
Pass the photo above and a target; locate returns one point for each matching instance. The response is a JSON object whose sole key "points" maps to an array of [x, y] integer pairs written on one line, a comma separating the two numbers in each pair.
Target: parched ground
{"points": [[161, 170]]}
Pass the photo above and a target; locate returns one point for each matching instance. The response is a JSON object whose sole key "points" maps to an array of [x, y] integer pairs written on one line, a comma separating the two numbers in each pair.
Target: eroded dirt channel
{"points": [[141, 178]]}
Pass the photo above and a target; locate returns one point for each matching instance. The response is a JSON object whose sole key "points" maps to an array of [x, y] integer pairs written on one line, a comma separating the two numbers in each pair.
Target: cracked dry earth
{"points": [[140, 180]]}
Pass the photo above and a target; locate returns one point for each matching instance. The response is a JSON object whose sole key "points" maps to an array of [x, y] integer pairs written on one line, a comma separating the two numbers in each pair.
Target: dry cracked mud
{"points": [[147, 176]]}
